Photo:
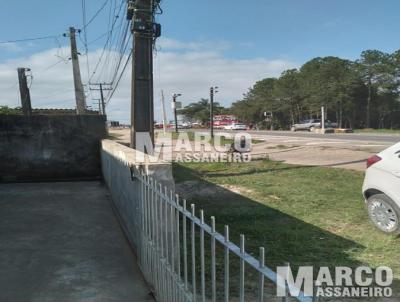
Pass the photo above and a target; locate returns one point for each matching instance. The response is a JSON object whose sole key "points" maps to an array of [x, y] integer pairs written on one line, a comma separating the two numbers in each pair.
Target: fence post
{"points": [[261, 276], [226, 264], [213, 264]]}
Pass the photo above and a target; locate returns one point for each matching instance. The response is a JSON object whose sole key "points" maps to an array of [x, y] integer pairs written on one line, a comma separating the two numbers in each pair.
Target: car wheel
{"points": [[384, 213], [312, 129], [293, 129]]}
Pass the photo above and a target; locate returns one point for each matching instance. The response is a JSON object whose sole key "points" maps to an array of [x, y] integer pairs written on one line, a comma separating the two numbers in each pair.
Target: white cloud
{"points": [[187, 68]]}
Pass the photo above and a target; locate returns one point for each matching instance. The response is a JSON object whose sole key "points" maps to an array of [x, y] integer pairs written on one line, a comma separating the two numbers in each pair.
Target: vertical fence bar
{"points": [[167, 246], [172, 229], [261, 276], [286, 297], [153, 226], [178, 238], [185, 266], [202, 266], [157, 243], [146, 204], [226, 265], [193, 254], [213, 266], [178, 246], [315, 298], [161, 238], [142, 221], [241, 282]]}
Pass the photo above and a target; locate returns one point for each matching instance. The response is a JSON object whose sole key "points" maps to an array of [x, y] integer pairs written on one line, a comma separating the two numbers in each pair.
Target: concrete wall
{"points": [[50, 147], [118, 164]]}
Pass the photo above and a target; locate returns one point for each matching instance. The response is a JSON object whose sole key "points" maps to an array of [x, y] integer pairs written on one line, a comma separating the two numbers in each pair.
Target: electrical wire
{"points": [[30, 39], [96, 14], [119, 79], [112, 23], [85, 37]]}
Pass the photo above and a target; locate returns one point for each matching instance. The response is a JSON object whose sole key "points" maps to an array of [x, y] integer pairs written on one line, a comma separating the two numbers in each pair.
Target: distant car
{"points": [[381, 190], [186, 125], [311, 125], [236, 126]]}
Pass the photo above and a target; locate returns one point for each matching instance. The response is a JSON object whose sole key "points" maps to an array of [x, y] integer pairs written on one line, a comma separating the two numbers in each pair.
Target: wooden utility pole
{"points": [[79, 92], [24, 91], [144, 32], [102, 89]]}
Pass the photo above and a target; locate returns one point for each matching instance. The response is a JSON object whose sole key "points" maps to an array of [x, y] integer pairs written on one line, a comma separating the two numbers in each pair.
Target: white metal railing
{"points": [[172, 251]]}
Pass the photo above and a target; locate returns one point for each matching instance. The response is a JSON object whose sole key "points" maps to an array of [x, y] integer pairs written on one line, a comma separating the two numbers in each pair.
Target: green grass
{"points": [[302, 215], [378, 131]]}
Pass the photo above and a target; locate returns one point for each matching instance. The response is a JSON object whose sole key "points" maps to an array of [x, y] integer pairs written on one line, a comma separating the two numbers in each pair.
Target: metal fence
{"points": [[176, 260]]}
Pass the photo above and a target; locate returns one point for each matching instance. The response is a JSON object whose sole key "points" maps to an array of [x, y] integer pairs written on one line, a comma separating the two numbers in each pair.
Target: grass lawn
{"points": [[378, 131], [301, 215]]}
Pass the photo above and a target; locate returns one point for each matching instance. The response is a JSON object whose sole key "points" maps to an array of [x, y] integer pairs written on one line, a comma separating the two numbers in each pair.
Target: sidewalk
{"points": [[61, 242]]}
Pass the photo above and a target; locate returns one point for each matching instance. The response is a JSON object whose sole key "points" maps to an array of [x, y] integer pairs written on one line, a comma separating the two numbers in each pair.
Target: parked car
{"points": [[311, 125], [381, 189], [236, 126]]}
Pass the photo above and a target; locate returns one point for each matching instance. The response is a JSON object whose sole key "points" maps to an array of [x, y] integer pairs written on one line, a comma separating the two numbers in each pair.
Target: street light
{"points": [[213, 91], [174, 97]]}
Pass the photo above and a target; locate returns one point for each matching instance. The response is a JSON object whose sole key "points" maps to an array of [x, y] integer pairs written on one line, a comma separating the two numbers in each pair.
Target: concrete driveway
{"points": [[60, 242]]}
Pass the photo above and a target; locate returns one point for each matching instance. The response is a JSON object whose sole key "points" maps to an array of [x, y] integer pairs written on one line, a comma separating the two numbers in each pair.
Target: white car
{"points": [[381, 190], [236, 126]]}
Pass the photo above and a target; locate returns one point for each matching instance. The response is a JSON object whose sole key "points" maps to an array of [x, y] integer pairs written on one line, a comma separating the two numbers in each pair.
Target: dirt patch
{"points": [[238, 189]]}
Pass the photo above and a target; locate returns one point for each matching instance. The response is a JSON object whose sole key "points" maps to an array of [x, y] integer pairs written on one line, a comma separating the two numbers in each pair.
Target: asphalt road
{"points": [[387, 138]]}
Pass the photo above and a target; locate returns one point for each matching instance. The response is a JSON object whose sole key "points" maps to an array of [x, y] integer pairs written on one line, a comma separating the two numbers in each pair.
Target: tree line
{"points": [[356, 94]]}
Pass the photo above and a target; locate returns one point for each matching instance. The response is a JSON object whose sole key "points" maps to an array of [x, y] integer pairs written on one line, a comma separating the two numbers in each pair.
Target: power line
{"points": [[119, 79], [109, 38], [96, 14], [85, 37], [30, 39]]}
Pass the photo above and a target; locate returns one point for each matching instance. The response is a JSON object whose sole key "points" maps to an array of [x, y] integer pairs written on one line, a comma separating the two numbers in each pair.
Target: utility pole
{"points": [[174, 107], [144, 31], [163, 112], [101, 89], [24, 91], [79, 92], [213, 91]]}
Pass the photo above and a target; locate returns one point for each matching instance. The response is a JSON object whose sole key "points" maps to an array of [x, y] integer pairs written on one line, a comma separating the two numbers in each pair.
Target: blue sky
{"points": [[252, 38], [294, 29]]}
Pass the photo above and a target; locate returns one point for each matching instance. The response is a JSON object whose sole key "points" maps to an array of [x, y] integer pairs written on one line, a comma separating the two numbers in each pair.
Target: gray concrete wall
{"points": [[50, 147], [118, 163]]}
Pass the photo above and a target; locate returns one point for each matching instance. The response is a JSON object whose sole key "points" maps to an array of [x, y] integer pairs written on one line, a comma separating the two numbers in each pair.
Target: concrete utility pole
{"points": [[79, 92], [144, 32], [164, 113], [101, 89], [24, 91], [174, 107], [323, 119], [213, 91]]}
